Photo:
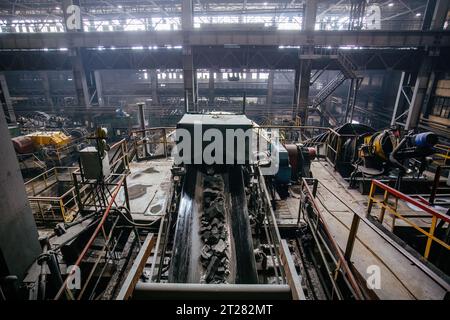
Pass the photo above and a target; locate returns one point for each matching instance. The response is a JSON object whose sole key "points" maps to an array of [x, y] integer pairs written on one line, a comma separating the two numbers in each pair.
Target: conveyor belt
{"points": [[186, 262]]}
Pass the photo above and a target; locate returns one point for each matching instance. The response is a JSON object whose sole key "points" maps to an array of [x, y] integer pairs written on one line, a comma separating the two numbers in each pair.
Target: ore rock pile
{"points": [[213, 232]]}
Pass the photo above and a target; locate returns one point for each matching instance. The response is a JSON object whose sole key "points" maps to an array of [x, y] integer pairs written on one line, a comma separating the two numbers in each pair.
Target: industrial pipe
{"points": [[146, 290]]}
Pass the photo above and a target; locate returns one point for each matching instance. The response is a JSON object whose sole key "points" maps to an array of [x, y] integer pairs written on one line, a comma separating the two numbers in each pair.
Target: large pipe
{"points": [[146, 290]]}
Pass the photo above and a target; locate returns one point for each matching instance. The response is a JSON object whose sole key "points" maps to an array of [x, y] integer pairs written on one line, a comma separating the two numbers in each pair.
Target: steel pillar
{"points": [[309, 21], [270, 82], [154, 86], [46, 87], [419, 92], [310, 13], [6, 99], [99, 88], [296, 89], [189, 73], [79, 78], [435, 14], [211, 87], [397, 99], [303, 90], [19, 245], [349, 104], [356, 84]]}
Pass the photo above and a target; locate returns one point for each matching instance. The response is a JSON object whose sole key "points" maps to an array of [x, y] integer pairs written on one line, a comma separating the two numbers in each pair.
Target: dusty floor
{"points": [[148, 187]]}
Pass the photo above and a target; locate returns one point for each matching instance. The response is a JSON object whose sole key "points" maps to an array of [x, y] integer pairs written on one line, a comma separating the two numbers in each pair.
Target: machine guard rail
{"points": [[53, 208], [340, 262], [100, 229], [423, 205], [140, 142]]}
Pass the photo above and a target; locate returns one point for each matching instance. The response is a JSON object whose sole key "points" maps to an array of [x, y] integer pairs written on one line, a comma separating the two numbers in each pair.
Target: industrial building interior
{"points": [[120, 179]]}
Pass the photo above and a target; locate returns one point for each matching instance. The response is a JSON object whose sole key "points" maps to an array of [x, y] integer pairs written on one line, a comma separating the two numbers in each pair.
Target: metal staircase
{"points": [[328, 89], [347, 71]]}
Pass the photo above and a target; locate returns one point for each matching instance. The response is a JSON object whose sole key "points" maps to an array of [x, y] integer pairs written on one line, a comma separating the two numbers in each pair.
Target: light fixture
{"points": [[418, 14], [57, 8], [390, 4], [119, 6]]}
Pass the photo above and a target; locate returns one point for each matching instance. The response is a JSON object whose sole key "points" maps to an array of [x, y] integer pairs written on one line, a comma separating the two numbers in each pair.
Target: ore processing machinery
{"points": [[359, 153], [220, 238]]}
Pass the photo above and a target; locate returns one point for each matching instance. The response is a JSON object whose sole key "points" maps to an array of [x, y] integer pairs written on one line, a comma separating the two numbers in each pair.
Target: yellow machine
{"points": [[54, 138], [379, 145]]}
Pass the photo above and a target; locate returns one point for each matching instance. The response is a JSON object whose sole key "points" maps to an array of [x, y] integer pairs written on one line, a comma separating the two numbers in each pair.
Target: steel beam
{"points": [[79, 78], [6, 99], [303, 90], [419, 92], [154, 86], [296, 89], [397, 99], [211, 87], [189, 73], [238, 37], [99, 88], [270, 81], [46, 87], [310, 9], [435, 14]]}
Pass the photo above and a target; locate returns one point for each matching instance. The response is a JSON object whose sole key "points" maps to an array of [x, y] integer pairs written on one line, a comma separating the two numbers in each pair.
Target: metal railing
{"points": [[105, 233], [153, 143], [50, 204], [442, 154], [119, 161], [334, 145], [429, 213], [335, 262]]}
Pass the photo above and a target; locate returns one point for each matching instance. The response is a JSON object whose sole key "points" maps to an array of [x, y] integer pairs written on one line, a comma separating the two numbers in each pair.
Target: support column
{"points": [[189, 73], [6, 99], [349, 103], [295, 97], [79, 78], [356, 84], [46, 87], [397, 99], [419, 92], [211, 87], [270, 81], [435, 14], [309, 21], [303, 90], [154, 86], [99, 88], [19, 245]]}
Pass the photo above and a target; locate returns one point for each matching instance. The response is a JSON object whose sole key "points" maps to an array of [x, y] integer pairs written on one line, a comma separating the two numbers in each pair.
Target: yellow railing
{"points": [[429, 212], [45, 204], [442, 154]]}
